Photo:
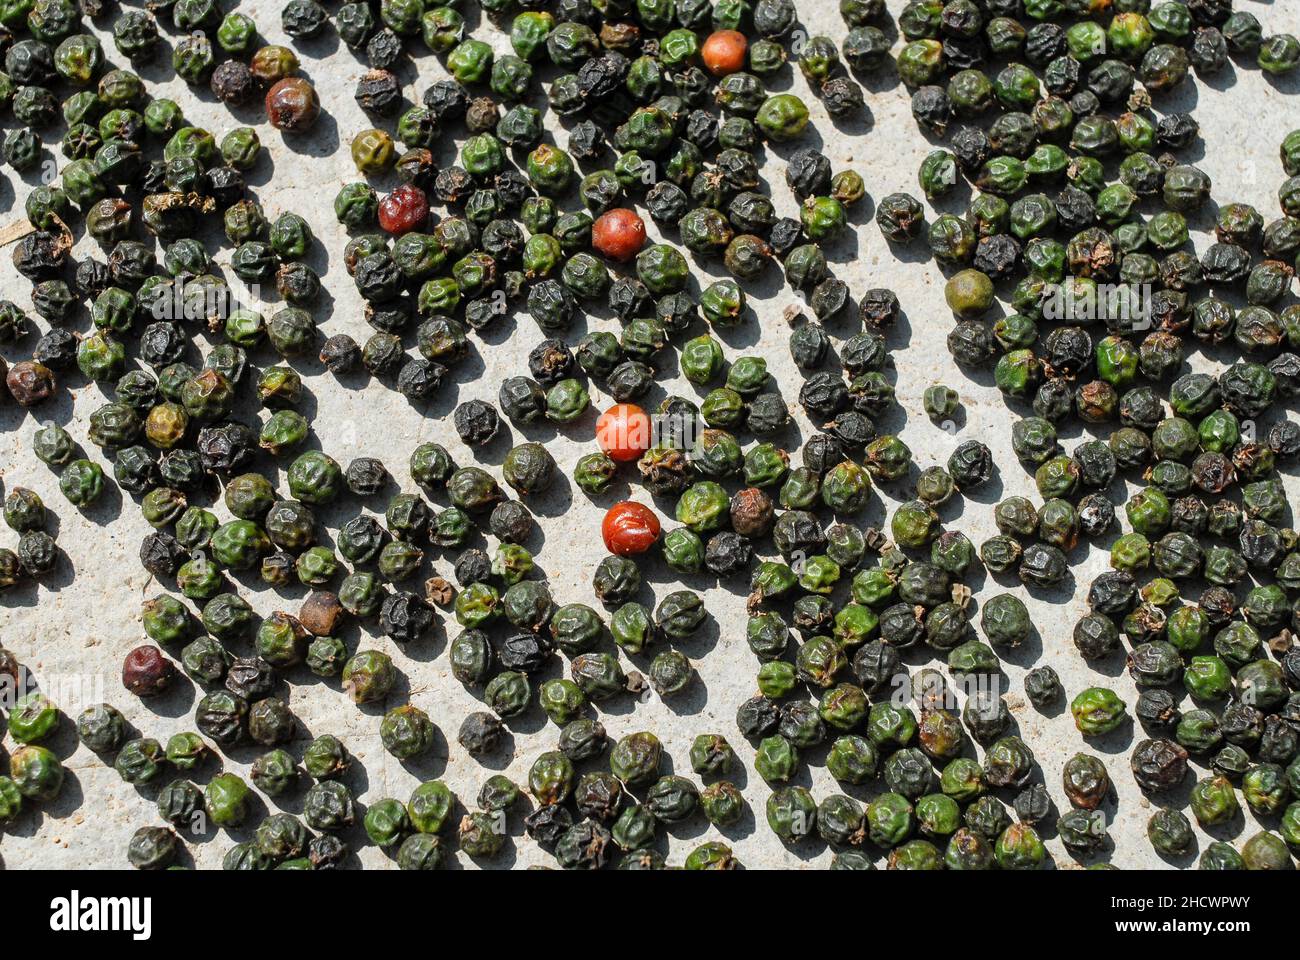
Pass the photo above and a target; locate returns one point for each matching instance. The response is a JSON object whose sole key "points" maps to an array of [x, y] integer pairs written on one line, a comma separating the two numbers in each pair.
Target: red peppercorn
{"points": [[146, 672], [30, 382], [618, 234], [292, 105], [724, 52], [629, 527], [623, 432], [403, 210]]}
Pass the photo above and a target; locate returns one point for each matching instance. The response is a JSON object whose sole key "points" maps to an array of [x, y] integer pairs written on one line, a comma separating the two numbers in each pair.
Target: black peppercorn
{"points": [[476, 422], [379, 92], [340, 354], [233, 83]]}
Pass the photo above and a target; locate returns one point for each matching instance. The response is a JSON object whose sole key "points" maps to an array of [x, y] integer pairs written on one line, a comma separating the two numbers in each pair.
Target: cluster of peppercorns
{"points": [[35, 772], [274, 536], [635, 84], [1070, 238], [37, 553]]}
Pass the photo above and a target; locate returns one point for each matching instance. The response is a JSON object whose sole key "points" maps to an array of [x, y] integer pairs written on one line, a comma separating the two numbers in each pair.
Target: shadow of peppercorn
{"points": [[1061, 703], [1111, 665], [695, 825], [502, 328], [430, 646], [1286, 83], [157, 68], [432, 764], [859, 124], [1084, 858], [1183, 860], [318, 258], [504, 860], [62, 740], [38, 175], [26, 593], [769, 285], [68, 802], [894, 490], [248, 114], [742, 335], [1227, 832], [624, 703], [321, 141], [1221, 81], [884, 77], [917, 251], [1115, 742], [975, 578], [957, 202], [1028, 653], [580, 430], [494, 451], [894, 421], [501, 758], [149, 791], [292, 800], [781, 80], [937, 141], [319, 47], [806, 848], [437, 409], [262, 171], [843, 248], [554, 501], [531, 721], [811, 139], [1058, 594], [176, 701], [742, 828], [693, 699]]}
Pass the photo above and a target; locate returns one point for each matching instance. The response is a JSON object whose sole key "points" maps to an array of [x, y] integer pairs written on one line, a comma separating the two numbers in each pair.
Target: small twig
{"points": [[15, 231]]}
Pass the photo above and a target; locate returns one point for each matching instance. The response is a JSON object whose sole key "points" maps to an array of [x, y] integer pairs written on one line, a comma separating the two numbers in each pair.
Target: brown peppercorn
{"points": [[232, 82], [30, 382], [438, 591], [482, 115], [620, 36], [752, 512], [292, 105], [320, 613], [146, 672]]}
